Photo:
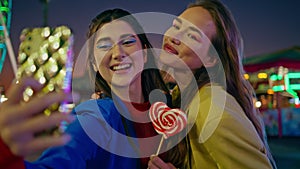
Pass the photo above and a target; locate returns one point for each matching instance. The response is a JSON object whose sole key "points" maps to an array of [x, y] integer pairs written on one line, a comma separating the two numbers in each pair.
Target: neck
{"points": [[131, 93], [183, 78]]}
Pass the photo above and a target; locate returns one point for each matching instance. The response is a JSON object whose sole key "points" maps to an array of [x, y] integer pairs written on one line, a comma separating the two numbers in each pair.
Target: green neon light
{"points": [[5, 7], [294, 75], [287, 86], [278, 88], [273, 77], [293, 93], [287, 82], [276, 77], [295, 86]]}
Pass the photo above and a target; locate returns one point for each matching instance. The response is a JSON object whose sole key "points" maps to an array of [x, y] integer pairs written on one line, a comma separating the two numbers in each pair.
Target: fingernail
{"points": [[66, 138], [152, 156]]}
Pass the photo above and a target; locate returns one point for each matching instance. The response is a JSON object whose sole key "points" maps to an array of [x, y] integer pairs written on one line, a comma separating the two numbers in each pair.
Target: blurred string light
{"points": [[2, 94], [262, 75], [3, 98], [5, 9], [258, 104], [246, 76]]}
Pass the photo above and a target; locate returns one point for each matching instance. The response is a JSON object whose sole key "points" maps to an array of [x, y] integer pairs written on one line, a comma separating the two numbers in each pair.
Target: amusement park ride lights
{"points": [[5, 11], [277, 80], [285, 82]]}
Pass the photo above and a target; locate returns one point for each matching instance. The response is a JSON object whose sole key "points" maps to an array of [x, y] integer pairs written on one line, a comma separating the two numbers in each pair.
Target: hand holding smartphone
{"points": [[46, 54]]}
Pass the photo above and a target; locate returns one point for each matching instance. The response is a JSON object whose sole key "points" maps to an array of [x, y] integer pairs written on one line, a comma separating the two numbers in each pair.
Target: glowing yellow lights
{"points": [[270, 91], [246, 76], [262, 75], [42, 80]]}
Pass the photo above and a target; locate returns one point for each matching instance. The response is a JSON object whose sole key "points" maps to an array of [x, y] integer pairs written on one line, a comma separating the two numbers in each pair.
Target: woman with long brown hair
{"points": [[227, 130]]}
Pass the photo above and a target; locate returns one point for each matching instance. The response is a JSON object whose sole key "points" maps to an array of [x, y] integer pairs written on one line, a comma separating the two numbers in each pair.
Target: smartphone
{"points": [[46, 54]]}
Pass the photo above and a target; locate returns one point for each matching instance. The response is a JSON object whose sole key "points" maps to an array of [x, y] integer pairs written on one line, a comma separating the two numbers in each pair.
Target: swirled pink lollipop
{"points": [[167, 121]]}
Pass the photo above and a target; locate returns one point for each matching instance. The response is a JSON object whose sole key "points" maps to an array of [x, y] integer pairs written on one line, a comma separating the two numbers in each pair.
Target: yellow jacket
{"points": [[221, 136]]}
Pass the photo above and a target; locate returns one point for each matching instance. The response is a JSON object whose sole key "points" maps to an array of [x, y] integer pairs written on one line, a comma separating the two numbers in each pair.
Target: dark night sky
{"points": [[266, 25]]}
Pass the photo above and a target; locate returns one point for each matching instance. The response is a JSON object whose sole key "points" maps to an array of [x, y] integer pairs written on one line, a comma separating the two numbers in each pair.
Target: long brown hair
{"points": [[228, 44]]}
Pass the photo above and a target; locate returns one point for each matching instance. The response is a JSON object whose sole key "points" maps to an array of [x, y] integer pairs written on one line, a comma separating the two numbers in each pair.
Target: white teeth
{"points": [[121, 67]]}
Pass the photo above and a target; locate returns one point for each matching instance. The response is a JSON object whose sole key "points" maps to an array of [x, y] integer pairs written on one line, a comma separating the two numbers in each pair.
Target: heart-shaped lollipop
{"points": [[167, 121]]}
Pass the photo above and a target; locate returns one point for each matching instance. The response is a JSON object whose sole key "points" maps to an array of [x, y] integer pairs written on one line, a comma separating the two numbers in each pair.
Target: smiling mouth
{"points": [[121, 67], [170, 49]]}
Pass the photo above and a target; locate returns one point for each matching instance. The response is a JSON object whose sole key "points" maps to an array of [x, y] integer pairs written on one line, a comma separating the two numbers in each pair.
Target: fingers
{"points": [[33, 125], [39, 144], [157, 163], [21, 137], [48, 141], [20, 121], [15, 92], [36, 105]]}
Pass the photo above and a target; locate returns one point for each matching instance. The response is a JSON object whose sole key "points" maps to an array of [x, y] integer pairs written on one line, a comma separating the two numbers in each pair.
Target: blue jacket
{"points": [[98, 141]]}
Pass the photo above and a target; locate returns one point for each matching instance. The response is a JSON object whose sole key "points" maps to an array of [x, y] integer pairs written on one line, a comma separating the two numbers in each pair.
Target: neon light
{"points": [[278, 88], [295, 86], [294, 75], [246, 76], [273, 77], [287, 86], [287, 82], [5, 8], [293, 93], [262, 75]]}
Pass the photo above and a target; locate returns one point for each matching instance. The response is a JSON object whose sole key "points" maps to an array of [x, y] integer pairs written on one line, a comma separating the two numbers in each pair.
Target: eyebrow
{"points": [[103, 39], [127, 35], [190, 27], [122, 37], [178, 20], [196, 30]]}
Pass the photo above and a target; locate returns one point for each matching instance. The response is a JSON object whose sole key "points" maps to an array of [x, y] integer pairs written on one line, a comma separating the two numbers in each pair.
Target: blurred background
{"points": [[272, 51]]}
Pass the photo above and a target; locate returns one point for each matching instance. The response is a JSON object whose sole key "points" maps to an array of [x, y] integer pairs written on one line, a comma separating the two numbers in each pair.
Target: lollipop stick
{"points": [[160, 144]]}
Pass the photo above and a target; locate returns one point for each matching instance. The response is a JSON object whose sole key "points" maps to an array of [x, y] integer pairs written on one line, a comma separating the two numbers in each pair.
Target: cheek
{"points": [[138, 59], [169, 33], [203, 52], [192, 57], [196, 62], [101, 58], [105, 73]]}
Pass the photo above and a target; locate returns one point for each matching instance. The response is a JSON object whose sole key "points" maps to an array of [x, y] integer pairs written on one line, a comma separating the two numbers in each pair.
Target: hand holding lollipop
{"points": [[166, 121]]}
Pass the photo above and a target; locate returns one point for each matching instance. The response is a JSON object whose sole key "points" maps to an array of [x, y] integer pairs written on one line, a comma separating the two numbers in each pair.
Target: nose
{"points": [[175, 37], [117, 52], [175, 40]]}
